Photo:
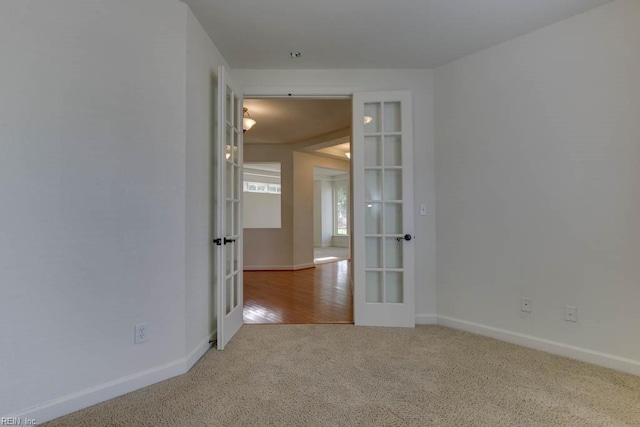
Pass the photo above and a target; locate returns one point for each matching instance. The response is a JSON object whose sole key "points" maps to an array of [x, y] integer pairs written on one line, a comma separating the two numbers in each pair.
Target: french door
{"points": [[382, 155], [229, 210]]}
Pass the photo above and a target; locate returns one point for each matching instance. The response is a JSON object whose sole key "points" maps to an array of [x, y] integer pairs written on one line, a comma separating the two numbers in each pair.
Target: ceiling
{"points": [[339, 150], [264, 167], [319, 172], [370, 33], [294, 120]]}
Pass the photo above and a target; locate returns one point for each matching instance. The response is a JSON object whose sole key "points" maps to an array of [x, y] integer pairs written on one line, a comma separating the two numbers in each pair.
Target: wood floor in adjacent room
{"points": [[314, 295]]}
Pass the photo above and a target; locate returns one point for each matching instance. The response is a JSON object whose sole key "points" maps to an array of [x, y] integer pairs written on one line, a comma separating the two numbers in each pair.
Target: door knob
{"points": [[406, 237]]}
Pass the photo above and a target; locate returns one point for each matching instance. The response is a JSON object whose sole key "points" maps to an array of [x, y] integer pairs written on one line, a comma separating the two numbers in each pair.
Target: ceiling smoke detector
{"points": [[295, 54]]}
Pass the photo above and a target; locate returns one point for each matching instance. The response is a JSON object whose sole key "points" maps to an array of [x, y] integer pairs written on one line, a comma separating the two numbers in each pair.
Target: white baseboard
{"points": [[585, 355], [193, 357], [277, 267], [84, 398], [426, 319]]}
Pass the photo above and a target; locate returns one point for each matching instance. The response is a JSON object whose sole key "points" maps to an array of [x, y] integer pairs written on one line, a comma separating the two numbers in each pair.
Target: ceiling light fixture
{"points": [[367, 119], [227, 151], [247, 121]]}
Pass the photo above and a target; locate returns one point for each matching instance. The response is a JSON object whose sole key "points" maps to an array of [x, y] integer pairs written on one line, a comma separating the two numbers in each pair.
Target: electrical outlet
{"points": [[525, 305], [570, 313], [141, 333]]}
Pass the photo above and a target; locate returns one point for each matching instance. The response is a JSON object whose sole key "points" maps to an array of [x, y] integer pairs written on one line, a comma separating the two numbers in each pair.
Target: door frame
{"points": [[329, 95]]}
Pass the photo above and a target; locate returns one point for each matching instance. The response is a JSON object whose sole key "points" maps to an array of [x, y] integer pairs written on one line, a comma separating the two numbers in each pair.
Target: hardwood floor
{"points": [[314, 295]]}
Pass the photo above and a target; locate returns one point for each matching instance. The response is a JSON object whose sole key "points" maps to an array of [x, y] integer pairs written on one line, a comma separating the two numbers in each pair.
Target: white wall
{"points": [[322, 212], [327, 212], [261, 210], [294, 241], [99, 211], [537, 151], [340, 241], [259, 243], [420, 82], [317, 213], [303, 166]]}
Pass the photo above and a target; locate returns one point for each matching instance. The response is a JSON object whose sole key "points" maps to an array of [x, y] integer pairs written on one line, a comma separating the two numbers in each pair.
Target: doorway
{"points": [[285, 279]]}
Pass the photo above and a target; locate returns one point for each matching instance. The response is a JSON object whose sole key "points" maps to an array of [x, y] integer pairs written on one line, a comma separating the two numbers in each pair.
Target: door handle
{"points": [[406, 237], [228, 240], [217, 241]]}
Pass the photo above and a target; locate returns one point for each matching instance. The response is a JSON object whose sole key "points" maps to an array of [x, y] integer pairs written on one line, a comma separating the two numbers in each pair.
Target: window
{"points": [[340, 207], [261, 187]]}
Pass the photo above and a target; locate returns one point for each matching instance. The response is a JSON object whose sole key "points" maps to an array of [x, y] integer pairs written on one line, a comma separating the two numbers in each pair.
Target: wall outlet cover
{"points": [[570, 313], [141, 333]]}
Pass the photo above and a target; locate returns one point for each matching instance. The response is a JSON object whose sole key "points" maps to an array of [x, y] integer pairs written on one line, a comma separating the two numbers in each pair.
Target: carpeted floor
{"points": [[343, 375]]}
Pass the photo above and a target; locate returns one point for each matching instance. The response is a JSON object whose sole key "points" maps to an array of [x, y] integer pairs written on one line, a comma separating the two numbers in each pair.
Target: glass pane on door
{"points": [[229, 104], [393, 150], [374, 286], [228, 232], [372, 118], [228, 248], [373, 218], [392, 122], [372, 151], [235, 290], [229, 289], [393, 252], [374, 252], [393, 218], [393, 287], [373, 185], [393, 184]]}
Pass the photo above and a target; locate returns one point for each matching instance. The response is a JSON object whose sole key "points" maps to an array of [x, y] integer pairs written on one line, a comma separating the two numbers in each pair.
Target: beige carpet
{"points": [[342, 375]]}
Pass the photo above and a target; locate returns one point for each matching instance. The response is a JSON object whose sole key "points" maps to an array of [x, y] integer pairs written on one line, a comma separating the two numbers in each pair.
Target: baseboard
{"points": [[91, 396], [82, 399], [426, 319], [193, 357], [278, 267], [606, 360]]}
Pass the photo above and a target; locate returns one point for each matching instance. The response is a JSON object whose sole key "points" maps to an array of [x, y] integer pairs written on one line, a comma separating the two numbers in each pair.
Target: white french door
{"points": [[382, 154], [229, 210]]}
